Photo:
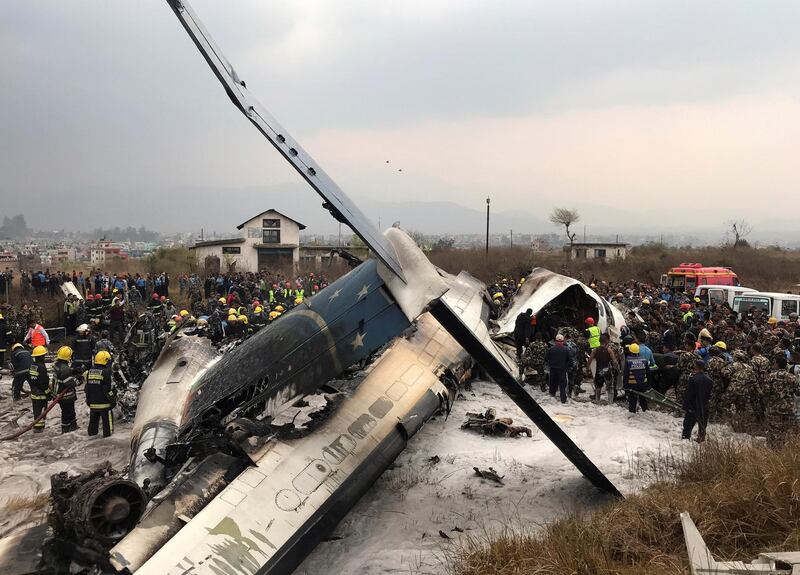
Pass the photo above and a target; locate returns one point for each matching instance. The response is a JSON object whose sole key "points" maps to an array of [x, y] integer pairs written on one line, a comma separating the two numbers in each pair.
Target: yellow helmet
{"points": [[646, 301], [522, 280], [259, 309], [772, 320], [39, 351], [721, 345], [274, 314], [232, 317], [634, 348], [184, 313], [279, 308], [102, 357], [242, 318], [222, 300], [298, 300], [498, 295], [16, 346], [65, 353]]}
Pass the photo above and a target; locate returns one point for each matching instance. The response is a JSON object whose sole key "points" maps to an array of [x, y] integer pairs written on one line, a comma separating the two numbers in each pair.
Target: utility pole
{"points": [[488, 200], [512, 239]]}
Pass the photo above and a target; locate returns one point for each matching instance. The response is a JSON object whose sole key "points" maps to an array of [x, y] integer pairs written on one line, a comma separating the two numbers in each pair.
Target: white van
{"points": [[777, 305], [709, 294]]}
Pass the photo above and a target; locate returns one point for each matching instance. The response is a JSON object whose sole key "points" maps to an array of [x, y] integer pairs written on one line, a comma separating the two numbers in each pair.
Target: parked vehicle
{"points": [[687, 276], [709, 294], [777, 305]]}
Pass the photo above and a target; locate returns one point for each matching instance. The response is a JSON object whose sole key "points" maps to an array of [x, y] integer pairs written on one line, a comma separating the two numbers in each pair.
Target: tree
{"points": [[740, 230], [566, 217]]}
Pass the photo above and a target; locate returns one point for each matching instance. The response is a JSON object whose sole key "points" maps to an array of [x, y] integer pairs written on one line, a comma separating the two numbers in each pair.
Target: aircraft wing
{"points": [[476, 341], [336, 201]]}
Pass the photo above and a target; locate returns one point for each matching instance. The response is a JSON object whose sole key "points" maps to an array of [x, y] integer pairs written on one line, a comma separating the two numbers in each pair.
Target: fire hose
{"points": [[27, 428]]}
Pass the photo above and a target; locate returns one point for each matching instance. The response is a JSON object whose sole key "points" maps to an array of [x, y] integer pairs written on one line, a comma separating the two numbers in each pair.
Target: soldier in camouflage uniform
{"points": [[761, 367], [685, 366], [779, 398], [743, 392], [533, 359], [715, 369]]}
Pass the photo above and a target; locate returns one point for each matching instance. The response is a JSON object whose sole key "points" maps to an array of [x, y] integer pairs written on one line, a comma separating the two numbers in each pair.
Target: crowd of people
{"points": [[100, 321], [717, 364], [712, 362]]}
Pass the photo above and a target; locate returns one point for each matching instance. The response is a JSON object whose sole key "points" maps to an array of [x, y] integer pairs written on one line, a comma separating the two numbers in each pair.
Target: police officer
{"points": [[100, 396], [40, 386], [64, 380], [21, 361]]}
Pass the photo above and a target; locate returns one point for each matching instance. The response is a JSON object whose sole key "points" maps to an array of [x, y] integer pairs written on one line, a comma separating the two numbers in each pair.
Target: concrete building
{"points": [[267, 241], [104, 251], [598, 251]]}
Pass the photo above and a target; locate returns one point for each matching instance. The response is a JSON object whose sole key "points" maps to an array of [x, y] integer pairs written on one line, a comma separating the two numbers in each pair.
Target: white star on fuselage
{"points": [[335, 295], [359, 340], [364, 291]]}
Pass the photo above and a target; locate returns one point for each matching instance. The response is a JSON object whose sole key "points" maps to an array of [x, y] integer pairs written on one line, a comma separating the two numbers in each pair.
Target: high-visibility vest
{"points": [[594, 336], [37, 337]]}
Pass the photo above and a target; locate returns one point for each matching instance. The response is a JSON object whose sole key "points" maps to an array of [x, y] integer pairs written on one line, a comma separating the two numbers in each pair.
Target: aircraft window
{"points": [[788, 306]]}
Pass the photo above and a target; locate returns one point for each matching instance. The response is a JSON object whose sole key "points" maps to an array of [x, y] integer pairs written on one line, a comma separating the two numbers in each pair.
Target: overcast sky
{"points": [[682, 112]]}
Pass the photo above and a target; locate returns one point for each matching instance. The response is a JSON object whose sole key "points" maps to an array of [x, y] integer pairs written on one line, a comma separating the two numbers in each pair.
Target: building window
{"points": [[275, 224], [580, 253], [600, 253], [231, 250], [272, 236]]}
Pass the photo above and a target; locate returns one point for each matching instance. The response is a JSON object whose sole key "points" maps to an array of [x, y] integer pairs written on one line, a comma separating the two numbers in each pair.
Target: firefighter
{"points": [[6, 338], [21, 361], [100, 397], [64, 379], [259, 318], [82, 348], [40, 384]]}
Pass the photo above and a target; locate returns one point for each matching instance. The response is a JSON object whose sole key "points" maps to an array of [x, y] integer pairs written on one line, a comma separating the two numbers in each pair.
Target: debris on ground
{"points": [[434, 460], [490, 424], [489, 474]]}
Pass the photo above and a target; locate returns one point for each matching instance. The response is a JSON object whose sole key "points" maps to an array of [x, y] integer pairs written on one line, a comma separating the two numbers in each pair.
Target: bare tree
{"points": [[740, 230], [566, 217]]}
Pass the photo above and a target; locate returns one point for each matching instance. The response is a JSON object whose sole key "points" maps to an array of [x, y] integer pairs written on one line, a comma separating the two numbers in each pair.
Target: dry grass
{"points": [[744, 498], [765, 269]]}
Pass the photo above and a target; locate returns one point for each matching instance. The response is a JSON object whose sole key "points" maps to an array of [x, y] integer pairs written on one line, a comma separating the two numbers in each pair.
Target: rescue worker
{"points": [[558, 360], [273, 315], [100, 396], [259, 319], [592, 333], [636, 376], [522, 332], [40, 384], [155, 304], [64, 379], [6, 339], [82, 348], [21, 361], [37, 335], [606, 366], [779, 397], [696, 402]]}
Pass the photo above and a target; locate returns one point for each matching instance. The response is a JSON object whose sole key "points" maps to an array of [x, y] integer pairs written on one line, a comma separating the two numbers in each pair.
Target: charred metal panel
{"points": [[293, 356]]}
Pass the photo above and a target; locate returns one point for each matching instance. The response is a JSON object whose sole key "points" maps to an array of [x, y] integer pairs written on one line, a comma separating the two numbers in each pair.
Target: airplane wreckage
{"points": [[214, 485]]}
